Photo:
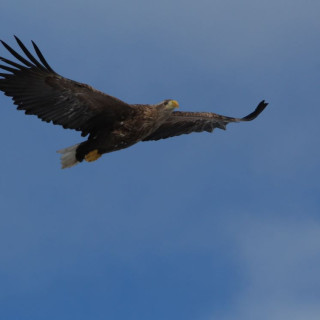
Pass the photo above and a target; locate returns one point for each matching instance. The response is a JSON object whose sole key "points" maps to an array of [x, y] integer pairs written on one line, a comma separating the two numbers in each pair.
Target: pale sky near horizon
{"points": [[204, 226]]}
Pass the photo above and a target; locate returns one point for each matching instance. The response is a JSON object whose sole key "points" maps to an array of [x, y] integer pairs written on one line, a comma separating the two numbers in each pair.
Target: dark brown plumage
{"points": [[110, 123]]}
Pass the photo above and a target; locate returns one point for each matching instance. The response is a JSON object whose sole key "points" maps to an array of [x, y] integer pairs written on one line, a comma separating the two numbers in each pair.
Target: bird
{"points": [[110, 123]]}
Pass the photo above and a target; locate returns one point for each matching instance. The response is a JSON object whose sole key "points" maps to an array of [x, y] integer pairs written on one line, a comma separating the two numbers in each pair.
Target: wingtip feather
{"points": [[261, 106]]}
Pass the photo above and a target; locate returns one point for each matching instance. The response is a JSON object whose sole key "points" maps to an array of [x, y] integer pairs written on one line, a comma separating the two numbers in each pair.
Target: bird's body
{"points": [[110, 123], [125, 133]]}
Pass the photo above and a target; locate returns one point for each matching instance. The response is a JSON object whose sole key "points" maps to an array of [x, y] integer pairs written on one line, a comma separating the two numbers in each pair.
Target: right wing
{"points": [[187, 122]]}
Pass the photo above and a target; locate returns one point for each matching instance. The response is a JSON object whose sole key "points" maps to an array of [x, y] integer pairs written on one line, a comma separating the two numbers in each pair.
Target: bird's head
{"points": [[170, 105]]}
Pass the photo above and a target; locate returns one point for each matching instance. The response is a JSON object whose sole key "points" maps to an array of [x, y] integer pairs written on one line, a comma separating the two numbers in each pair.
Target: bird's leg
{"points": [[92, 155]]}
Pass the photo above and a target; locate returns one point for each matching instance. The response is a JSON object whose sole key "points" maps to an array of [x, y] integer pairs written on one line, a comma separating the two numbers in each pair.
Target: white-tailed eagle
{"points": [[110, 123]]}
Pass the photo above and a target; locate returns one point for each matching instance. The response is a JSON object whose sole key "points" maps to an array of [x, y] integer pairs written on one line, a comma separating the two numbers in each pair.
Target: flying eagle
{"points": [[110, 123]]}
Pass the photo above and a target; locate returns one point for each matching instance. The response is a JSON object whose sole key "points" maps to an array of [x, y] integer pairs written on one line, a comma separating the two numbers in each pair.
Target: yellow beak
{"points": [[174, 103]]}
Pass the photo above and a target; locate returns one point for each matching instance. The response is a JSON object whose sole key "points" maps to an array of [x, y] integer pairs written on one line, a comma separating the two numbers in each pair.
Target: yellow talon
{"points": [[92, 155]]}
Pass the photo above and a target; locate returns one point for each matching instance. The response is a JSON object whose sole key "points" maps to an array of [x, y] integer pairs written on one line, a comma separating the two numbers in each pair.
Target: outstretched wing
{"points": [[186, 122], [36, 88]]}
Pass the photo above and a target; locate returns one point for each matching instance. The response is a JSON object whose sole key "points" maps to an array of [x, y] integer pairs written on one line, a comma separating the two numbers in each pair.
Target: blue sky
{"points": [[205, 226]]}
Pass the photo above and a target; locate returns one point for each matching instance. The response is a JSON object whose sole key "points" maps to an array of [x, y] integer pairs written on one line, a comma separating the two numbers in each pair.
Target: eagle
{"points": [[110, 123]]}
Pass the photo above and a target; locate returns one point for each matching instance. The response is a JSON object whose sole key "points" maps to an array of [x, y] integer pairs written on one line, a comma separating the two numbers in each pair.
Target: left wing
{"points": [[186, 122], [38, 90]]}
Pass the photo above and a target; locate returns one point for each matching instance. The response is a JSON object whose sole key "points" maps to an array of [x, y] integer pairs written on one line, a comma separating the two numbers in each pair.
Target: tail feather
{"points": [[68, 157]]}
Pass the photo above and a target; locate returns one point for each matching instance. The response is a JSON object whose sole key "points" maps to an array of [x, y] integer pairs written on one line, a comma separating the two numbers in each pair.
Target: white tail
{"points": [[68, 158]]}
